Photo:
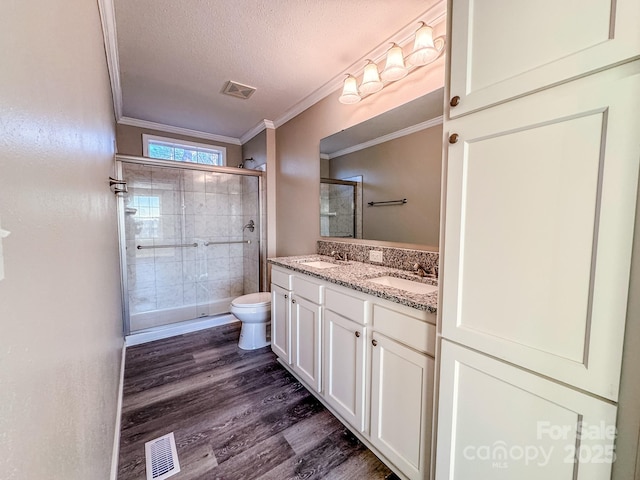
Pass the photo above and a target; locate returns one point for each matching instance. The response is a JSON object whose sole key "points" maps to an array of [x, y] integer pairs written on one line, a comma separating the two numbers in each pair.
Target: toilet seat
{"points": [[252, 300]]}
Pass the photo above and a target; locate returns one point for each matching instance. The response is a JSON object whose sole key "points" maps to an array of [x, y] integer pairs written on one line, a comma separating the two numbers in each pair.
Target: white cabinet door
{"points": [[541, 195], [502, 49], [401, 405], [280, 323], [344, 367], [306, 341], [498, 422]]}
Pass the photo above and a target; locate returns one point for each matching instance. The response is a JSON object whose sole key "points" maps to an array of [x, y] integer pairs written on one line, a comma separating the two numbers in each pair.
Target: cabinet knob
{"points": [[358, 334], [453, 138], [374, 342], [293, 301], [286, 296], [454, 101]]}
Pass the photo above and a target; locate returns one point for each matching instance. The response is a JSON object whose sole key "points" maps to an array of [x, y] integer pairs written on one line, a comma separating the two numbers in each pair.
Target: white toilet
{"points": [[254, 311]]}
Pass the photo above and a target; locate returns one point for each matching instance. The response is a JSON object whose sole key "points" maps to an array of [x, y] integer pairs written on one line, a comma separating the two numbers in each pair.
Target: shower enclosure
{"points": [[190, 240], [340, 208]]}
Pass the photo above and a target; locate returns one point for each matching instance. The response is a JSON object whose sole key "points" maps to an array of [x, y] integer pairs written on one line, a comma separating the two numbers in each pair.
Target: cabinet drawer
{"points": [[412, 332], [306, 289], [281, 278], [345, 305]]}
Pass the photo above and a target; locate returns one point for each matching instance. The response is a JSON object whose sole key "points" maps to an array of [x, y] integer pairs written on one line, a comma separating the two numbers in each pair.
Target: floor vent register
{"points": [[161, 457]]}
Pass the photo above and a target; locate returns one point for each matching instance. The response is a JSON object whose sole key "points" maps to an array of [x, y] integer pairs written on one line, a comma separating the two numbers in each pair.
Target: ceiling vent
{"points": [[238, 90]]}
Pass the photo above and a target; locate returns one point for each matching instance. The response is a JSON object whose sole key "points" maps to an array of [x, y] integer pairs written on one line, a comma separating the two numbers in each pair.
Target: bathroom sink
{"points": [[319, 264], [403, 284]]}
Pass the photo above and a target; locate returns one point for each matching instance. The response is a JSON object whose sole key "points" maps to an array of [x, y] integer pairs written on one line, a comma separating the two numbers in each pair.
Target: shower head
{"points": [[245, 161]]}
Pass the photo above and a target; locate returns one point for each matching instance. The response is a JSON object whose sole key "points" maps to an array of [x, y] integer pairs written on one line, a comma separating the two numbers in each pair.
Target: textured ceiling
{"points": [[176, 56]]}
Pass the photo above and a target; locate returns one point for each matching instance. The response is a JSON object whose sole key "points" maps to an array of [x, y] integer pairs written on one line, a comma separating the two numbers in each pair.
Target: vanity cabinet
{"points": [[296, 329], [370, 361], [401, 401], [344, 368], [281, 315], [345, 337], [306, 341], [402, 378], [503, 49]]}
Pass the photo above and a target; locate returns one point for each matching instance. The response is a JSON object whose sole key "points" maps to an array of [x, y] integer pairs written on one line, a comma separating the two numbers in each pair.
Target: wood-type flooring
{"points": [[235, 414]]}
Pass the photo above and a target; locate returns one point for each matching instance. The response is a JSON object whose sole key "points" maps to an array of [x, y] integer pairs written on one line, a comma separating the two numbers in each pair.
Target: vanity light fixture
{"points": [[426, 50]]}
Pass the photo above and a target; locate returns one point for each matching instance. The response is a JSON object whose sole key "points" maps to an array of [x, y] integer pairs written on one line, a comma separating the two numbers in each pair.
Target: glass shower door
{"points": [[188, 253]]}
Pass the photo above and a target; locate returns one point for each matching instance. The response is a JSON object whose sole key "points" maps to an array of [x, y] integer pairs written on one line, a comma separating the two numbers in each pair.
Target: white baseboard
{"points": [[115, 455], [159, 333]]}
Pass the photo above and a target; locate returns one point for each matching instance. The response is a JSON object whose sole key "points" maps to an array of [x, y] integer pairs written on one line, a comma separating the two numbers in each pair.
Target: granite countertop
{"points": [[355, 275]]}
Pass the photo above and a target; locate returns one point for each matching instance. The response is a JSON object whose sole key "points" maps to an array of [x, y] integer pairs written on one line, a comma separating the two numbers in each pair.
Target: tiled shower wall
{"points": [[169, 206]]}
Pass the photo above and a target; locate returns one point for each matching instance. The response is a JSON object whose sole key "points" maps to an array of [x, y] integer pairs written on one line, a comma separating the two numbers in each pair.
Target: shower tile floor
{"points": [[235, 415]]}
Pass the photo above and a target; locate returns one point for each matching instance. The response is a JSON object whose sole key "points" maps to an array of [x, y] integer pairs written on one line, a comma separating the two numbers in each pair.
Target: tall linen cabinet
{"points": [[541, 187]]}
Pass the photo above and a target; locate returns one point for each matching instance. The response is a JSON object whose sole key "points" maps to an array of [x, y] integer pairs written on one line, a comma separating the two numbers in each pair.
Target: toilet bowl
{"points": [[254, 311]]}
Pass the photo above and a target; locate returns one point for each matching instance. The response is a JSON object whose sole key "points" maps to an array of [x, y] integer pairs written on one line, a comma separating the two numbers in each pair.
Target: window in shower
{"points": [[147, 208], [164, 148]]}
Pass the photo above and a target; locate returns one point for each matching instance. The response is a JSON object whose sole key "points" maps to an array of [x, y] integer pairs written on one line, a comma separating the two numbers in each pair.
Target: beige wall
{"points": [[406, 167], [60, 318], [130, 142], [298, 142], [256, 148]]}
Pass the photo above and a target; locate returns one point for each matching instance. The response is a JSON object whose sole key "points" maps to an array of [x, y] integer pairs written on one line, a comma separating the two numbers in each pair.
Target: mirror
{"points": [[380, 179]]}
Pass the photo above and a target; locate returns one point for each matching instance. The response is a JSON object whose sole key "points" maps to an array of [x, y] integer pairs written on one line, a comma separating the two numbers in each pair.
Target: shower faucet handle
{"points": [[251, 226]]}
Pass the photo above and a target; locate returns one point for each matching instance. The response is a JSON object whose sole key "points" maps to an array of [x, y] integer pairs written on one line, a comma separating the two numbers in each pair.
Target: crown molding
{"points": [[385, 138], [432, 16], [109, 34], [260, 126], [135, 122]]}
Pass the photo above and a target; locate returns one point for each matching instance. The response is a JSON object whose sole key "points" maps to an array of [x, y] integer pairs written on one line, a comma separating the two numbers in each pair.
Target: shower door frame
{"points": [[119, 160]]}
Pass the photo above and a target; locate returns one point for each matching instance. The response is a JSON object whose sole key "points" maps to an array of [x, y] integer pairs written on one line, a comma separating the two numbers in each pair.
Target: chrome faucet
{"points": [[420, 270], [338, 256], [423, 272]]}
